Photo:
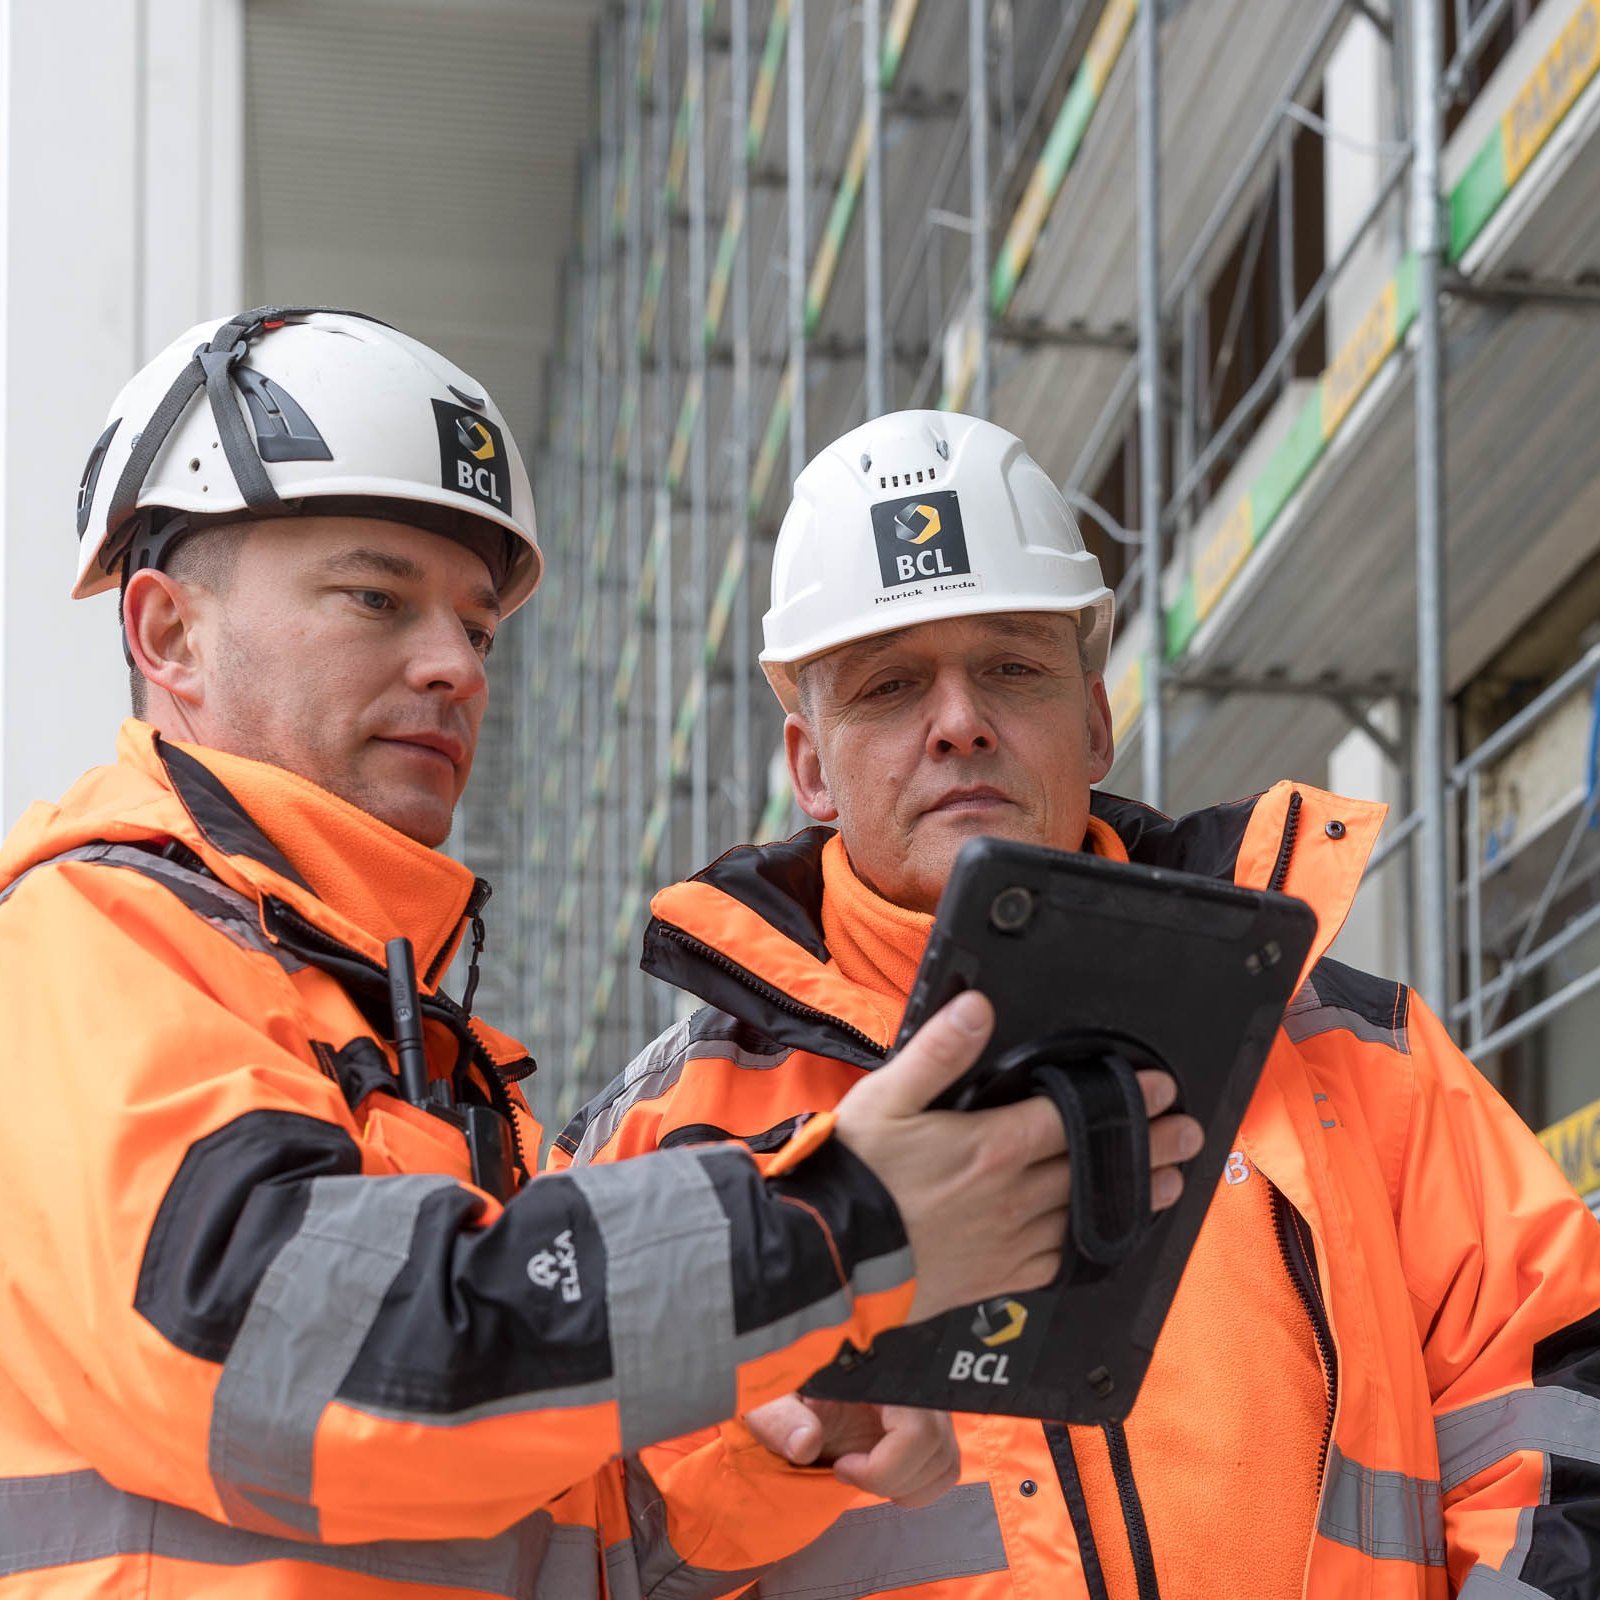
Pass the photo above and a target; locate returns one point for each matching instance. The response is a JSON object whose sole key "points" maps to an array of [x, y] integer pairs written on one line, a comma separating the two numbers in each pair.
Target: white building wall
{"points": [[121, 206]]}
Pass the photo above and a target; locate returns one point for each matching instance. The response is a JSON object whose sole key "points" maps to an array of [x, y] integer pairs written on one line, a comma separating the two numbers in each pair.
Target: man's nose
{"points": [[444, 659], [958, 724]]}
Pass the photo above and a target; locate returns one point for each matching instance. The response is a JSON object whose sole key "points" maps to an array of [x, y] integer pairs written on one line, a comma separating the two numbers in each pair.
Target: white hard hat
{"points": [[919, 516], [303, 411]]}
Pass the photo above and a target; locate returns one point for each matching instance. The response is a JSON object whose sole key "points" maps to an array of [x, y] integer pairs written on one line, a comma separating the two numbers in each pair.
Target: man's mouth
{"points": [[432, 743], [973, 800]]}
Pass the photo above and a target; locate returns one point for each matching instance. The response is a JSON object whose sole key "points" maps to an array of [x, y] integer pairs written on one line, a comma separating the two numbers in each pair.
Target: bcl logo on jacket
{"points": [[920, 538], [472, 454]]}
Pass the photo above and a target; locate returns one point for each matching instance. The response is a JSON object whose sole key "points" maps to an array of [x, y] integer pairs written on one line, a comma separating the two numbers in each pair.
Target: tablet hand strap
{"points": [[1108, 1142]]}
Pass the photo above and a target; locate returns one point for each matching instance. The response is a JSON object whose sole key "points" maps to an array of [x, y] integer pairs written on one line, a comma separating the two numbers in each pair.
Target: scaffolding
{"points": [[796, 214]]}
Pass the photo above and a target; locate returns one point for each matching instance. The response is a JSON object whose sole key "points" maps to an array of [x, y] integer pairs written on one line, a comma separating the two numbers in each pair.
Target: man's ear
{"points": [[159, 616], [805, 770], [1102, 745]]}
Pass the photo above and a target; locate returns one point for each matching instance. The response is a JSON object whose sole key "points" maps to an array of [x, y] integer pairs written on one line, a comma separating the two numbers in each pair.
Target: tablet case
{"points": [[1164, 966]]}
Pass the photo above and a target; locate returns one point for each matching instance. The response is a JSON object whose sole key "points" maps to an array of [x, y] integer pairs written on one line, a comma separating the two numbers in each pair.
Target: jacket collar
{"points": [[745, 935], [273, 834]]}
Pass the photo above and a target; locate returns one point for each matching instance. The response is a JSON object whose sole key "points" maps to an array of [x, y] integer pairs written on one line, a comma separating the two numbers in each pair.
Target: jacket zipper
{"points": [[1297, 1261], [1059, 1441], [1291, 827], [437, 1005], [1144, 1562], [773, 996]]}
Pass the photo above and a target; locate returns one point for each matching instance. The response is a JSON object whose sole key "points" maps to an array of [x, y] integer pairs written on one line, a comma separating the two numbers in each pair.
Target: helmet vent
{"points": [[891, 480]]}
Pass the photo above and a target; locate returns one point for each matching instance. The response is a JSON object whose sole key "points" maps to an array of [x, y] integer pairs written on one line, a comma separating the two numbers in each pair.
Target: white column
{"points": [[121, 183], [1358, 102]]}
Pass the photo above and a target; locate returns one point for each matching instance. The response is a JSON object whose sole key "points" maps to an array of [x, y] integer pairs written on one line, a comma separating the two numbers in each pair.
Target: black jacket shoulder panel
{"points": [[1337, 997], [781, 883], [1205, 842]]}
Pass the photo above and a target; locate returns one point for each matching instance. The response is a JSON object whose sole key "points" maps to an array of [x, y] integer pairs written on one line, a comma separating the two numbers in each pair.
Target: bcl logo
{"points": [[971, 1367], [920, 537], [472, 454]]}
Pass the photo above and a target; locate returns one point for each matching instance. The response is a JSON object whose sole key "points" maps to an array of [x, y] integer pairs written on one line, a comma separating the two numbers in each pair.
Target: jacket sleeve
{"points": [[706, 1514], [1504, 1263], [205, 1252]]}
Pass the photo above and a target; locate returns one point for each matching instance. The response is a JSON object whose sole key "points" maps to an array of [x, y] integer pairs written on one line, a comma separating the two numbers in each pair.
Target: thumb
{"points": [[788, 1427], [933, 1058]]}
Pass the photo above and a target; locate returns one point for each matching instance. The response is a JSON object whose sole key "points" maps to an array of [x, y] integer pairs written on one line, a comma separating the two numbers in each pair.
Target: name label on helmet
{"points": [[920, 537], [472, 455]]}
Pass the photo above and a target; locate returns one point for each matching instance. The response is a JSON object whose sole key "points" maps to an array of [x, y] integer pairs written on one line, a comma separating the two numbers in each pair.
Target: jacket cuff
{"points": [[872, 1254]]}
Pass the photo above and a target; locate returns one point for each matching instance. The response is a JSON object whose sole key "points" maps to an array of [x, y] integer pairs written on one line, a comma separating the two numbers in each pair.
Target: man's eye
{"points": [[372, 599], [481, 640], [880, 691], [1015, 669]]}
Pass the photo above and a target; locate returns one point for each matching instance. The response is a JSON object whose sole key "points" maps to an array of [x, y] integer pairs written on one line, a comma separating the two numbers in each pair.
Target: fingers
{"points": [[934, 1057], [788, 1427], [1159, 1089], [914, 1462]]}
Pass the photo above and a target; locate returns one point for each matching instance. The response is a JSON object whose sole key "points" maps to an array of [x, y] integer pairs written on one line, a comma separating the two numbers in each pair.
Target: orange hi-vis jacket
{"points": [[1402, 1397], [260, 1335]]}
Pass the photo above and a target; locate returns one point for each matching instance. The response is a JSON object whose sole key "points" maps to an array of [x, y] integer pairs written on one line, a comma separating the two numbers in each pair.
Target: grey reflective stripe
{"points": [[654, 1570], [570, 1569], [622, 1573], [1387, 1515], [308, 1318], [1308, 1022], [69, 1517], [1484, 1583], [232, 914], [886, 1547], [1550, 1419], [655, 1070], [669, 1294]]}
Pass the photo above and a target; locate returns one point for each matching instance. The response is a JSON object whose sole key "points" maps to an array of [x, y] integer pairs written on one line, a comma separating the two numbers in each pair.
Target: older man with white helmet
{"points": [[1381, 1372]]}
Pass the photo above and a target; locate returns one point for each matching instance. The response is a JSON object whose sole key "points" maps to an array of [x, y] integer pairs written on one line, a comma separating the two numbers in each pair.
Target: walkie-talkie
{"points": [[484, 1128]]}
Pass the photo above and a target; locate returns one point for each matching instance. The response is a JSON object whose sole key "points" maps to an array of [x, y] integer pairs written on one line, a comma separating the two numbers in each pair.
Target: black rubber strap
{"points": [[211, 369], [1108, 1142]]}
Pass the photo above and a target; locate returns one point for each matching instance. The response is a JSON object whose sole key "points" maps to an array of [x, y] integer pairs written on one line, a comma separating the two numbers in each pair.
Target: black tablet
{"points": [[1162, 967]]}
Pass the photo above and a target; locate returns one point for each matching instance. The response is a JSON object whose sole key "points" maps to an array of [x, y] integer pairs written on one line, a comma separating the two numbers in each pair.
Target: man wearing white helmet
{"points": [[1381, 1372], [282, 1312]]}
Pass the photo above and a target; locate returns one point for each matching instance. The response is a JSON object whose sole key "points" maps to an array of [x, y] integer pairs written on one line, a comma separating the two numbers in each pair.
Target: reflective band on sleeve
{"points": [[654, 1071], [308, 1318], [1549, 1419], [1484, 1583], [887, 1547], [570, 1569], [669, 1295], [1386, 1515], [70, 1517]]}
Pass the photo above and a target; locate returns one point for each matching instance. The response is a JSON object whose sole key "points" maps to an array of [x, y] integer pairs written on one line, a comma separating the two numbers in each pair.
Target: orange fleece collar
{"points": [[369, 883], [878, 944]]}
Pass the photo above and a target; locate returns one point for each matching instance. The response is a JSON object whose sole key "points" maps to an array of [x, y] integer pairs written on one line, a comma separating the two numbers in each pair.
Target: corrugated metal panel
{"points": [[419, 160]]}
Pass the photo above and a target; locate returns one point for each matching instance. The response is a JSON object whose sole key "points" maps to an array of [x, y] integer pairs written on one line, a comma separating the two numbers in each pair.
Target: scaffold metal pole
{"points": [[661, 427], [872, 200], [1150, 476], [978, 188], [741, 641], [699, 492], [633, 298], [1431, 763], [795, 156]]}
